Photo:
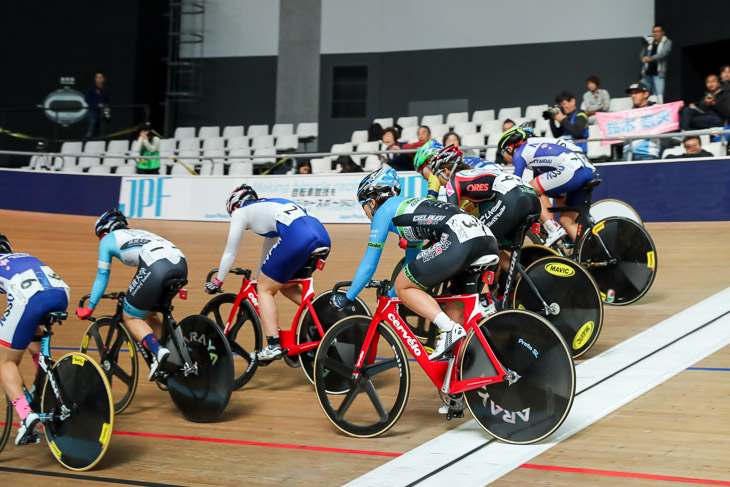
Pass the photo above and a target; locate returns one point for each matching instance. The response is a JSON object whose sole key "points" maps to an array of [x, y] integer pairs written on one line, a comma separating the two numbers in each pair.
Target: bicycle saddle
{"points": [[54, 317], [592, 183], [485, 261], [174, 285], [320, 252]]}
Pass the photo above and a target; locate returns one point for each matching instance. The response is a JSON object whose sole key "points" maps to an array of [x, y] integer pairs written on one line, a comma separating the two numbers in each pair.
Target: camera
{"points": [[107, 112], [709, 96], [551, 112]]}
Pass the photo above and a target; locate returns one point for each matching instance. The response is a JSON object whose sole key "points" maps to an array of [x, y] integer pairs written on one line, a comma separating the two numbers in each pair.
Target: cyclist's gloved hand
{"points": [[339, 301], [84, 313], [403, 243], [214, 286]]}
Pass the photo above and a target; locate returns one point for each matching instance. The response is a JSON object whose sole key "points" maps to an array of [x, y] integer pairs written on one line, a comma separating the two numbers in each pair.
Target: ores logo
{"points": [[478, 187]]}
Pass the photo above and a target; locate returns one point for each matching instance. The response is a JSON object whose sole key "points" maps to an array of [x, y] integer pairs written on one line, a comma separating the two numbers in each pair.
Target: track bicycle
{"points": [[198, 372], [238, 316], [74, 402], [513, 370]]}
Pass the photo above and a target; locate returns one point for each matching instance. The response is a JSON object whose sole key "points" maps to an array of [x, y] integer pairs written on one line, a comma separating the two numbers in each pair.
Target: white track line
{"points": [[604, 383]]}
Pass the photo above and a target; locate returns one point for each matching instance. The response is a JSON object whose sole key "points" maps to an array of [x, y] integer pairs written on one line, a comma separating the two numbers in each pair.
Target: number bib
{"points": [[289, 213], [505, 182], [466, 227], [153, 251]]}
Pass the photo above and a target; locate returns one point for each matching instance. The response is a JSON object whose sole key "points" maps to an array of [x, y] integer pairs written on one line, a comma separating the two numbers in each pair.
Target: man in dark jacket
{"points": [[692, 148], [96, 99], [711, 111], [570, 122]]}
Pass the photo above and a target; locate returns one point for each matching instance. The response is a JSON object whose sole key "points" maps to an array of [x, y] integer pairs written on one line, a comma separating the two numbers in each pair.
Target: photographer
{"points": [[566, 120], [711, 111], [97, 101], [147, 144]]}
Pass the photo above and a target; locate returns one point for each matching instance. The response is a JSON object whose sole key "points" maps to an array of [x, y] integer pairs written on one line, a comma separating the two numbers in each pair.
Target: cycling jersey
{"points": [[434, 185], [33, 290], [291, 235]]}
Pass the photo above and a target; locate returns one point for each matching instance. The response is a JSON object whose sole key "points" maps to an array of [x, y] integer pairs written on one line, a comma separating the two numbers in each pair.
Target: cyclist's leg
{"points": [[10, 376], [293, 292]]}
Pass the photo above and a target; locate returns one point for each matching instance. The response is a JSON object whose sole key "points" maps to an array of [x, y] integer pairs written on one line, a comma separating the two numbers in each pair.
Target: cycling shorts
{"points": [[22, 317], [146, 289], [508, 211], [563, 182], [297, 241]]}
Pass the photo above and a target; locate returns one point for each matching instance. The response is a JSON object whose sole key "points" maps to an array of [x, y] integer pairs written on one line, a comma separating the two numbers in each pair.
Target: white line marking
{"points": [[622, 382]]}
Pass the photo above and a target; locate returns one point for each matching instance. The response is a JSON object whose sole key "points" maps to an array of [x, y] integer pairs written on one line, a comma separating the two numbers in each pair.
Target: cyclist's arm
{"points": [[107, 248], [369, 263], [235, 237], [434, 185], [519, 162]]}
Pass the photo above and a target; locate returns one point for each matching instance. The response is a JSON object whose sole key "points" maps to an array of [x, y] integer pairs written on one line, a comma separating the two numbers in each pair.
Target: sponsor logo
{"points": [[610, 296], [497, 410], [376, 245], [583, 335], [560, 270], [478, 187], [529, 347], [142, 275], [413, 344], [449, 189], [253, 299]]}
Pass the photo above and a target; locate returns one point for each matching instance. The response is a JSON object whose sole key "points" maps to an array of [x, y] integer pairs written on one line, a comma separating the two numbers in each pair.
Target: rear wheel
{"points": [[373, 402], [537, 403], [576, 309], [6, 419], [80, 440], [602, 209], [627, 272], [245, 335]]}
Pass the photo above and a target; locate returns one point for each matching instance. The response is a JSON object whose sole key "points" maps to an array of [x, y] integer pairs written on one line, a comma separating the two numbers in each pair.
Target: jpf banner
{"points": [[655, 119], [331, 199]]}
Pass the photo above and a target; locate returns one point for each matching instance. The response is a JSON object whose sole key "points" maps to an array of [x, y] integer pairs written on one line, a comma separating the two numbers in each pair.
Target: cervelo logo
{"points": [[412, 342], [478, 187], [560, 270], [253, 299]]}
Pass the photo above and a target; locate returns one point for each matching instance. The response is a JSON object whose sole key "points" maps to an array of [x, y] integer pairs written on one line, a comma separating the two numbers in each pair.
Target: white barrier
{"points": [[330, 199]]}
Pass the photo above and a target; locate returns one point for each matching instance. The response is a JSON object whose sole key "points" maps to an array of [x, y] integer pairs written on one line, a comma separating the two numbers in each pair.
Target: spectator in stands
{"points": [[570, 122], [692, 148], [654, 58], [400, 162], [97, 100], [304, 168], [713, 110], [347, 164], [725, 77], [506, 125], [147, 144], [375, 132], [595, 99], [642, 149], [452, 138]]}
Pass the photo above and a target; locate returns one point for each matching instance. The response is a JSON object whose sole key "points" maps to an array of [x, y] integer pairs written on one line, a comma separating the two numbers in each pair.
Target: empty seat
{"points": [[491, 126], [341, 148], [239, 154], [319, 166], [184, 133], [254, 130], [213, 143], [534, 112], [262, 141], [189, 158], [72, 168], [99, 170], [365, 147], [232, 131], [542, 127], [511, 112], [480, 116], [287, 143], [372, 163], [406, 122], [264, 155], [282, 129], [472, 140], [430, 120], [409, 134], [215, 155], [465, 128], [715, 148], [456, 117], [307, 130], [68, 148], [168, 146], [620, 104], [113, 160], [189, 144], [237, 142], [95, 147], [208, 132], [211, 168], [438, 131], [115, 152], [88, 161], [594, 149], [359, 136], [385, 121], [180, 170], [126, 169], [244, 168]]}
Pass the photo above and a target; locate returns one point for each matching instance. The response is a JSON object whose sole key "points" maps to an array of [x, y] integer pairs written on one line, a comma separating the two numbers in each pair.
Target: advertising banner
{"points": [[655, 119]]}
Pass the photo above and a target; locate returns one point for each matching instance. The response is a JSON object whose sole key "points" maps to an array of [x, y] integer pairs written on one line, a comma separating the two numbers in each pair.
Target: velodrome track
{"points": [[672, 431]]}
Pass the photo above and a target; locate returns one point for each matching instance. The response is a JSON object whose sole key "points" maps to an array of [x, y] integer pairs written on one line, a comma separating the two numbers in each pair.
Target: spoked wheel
{"points": [[201, 397], [423, 329], [112, 346], [627, 272], [307, 329], [607, 208], [244, 337], [80, 440], [6, 419], [537, 403], [576, 308], [374, 401]]}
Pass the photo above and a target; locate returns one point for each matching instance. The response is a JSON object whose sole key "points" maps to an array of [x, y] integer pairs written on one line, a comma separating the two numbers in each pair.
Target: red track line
{"points": [[611, 473], [259, 443]]}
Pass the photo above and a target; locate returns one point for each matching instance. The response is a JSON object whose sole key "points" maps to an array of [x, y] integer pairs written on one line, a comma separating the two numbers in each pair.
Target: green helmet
{"points": [[425, 152], [514, 136]]}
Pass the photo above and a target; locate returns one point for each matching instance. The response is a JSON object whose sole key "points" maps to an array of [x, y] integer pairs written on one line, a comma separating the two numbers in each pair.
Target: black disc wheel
{"points": [[531, 253], [621, 256], [201, 396], [244, 336], [375, 400], [80, 440], [574, 304], [423, 329], [6, 418], [537, 402], [307, 329], [112, 346]]}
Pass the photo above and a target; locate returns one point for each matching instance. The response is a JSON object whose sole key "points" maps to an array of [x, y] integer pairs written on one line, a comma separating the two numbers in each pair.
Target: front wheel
{"points": [[372, 402], [621, 256], [80, 440], [537, 403], [6, 419]]}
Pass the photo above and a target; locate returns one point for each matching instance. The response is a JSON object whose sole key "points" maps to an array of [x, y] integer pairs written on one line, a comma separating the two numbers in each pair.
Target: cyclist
{"points": [[156, 259], [33, 290], [290, 237], [459, 240], [559, 172]]}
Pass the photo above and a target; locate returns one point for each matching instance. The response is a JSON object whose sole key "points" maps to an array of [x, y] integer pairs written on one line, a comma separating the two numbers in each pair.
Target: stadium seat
{"points": [[265, 155], [594, 149], [126, 169], [287, 143], [372, 163], [456, 117], [99, 170], [282, 129], [408, 134], [262, 141], [438, 131], [244, 168], [620, 104], [465, 128], [670, 151], [481, 116], [217, 156], [534, 112], [254, 130], [472, 140], [68, 148], [232, 131], [239, 154], [184, 133], [189, 144], [321, 166], [430, 120], [180, 170], [385, 122], [208, 132], [359, 136], [715, 148], [307, 131], [237, 142], [88, 161], [365, 147], [505, 113], [405, 122], [491, 126], [214, 143], [168, 146]]}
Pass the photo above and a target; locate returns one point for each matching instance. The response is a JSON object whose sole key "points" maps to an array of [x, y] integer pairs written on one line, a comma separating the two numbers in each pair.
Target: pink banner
{"points": [[656, 119]]}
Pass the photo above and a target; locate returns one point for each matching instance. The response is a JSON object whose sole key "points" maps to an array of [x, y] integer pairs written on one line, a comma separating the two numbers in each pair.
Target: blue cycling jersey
{"points": [[541, 156]]}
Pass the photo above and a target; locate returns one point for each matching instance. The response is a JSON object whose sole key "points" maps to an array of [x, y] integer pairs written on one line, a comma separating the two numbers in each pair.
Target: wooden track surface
{"points": [[276, 430]]}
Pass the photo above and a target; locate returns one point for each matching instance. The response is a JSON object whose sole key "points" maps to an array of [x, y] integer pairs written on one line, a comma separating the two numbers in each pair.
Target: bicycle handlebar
{"points": [[115, 295], [236, 270], [377, 284]]}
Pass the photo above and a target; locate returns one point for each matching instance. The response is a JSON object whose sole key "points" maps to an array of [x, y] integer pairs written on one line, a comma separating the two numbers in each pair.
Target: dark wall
{"points": [[43, 41]]}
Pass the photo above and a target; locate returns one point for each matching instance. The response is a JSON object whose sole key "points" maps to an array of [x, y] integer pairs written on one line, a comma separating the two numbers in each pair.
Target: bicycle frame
{"points": [[442, 374], [45, 369], [287, 338]]}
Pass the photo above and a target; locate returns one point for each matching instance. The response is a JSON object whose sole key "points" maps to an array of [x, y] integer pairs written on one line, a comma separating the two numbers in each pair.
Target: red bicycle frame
{"points": [[442, 374], [287, 338]]}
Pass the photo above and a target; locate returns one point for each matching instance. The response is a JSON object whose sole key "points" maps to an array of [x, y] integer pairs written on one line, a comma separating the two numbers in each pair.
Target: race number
{"points": [[466, 227], [289, 213]]}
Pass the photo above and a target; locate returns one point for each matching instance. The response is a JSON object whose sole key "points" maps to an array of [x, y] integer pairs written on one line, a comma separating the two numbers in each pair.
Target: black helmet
{"points": [[448, 157], [384, 183], [109, 221], [514, 136], [5, 247], [240, 196]]}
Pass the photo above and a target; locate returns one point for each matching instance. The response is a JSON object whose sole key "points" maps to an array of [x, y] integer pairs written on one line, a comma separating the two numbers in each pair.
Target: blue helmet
{"points": [[379, 186], [109, 221]]}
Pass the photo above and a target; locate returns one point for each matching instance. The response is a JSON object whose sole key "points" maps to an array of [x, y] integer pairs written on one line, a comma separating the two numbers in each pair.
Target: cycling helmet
{"points": [[427, 150], [382, 183], [5, 247], [111, 220], [514, 136], [240, 196], [448, 157]]}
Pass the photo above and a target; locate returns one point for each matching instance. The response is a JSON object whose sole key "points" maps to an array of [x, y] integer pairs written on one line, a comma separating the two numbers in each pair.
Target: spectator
{"points": [[725, 77], [423, 134], [506, 125], [594, 100], [692, 148], [654, 58], [375, 132], [400, 162], [304, 168], [147, 144], [641, 149], [712, 111], [571, 122], [97, 100], [404, 162], [452, 138], [347, 164]]}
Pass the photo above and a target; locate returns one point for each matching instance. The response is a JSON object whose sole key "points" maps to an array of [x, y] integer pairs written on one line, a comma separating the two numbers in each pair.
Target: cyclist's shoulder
{"points": [[11, 264]]}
